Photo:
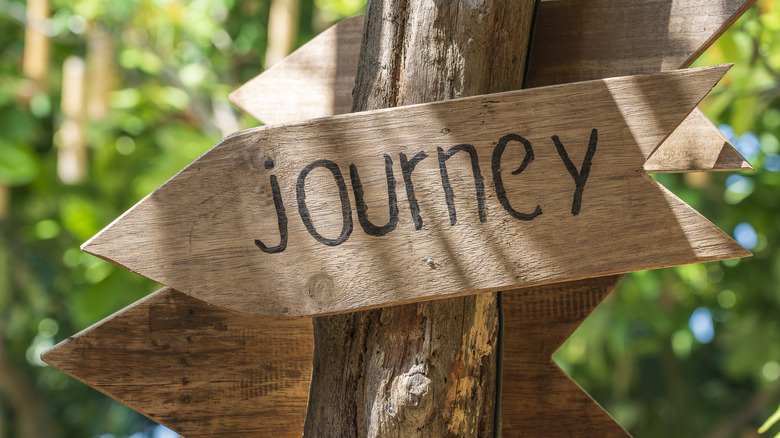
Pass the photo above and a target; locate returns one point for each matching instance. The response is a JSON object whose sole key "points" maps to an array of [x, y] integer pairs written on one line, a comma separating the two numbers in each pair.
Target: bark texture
{"points": [[428, 369]]}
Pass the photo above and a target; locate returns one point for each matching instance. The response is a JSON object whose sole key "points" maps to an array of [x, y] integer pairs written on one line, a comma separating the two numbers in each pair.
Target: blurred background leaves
{"points": [[694, 351], [101, 102]]}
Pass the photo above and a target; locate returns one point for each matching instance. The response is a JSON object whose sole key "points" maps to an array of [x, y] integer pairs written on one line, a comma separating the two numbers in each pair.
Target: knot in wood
{"points": [[320, 287], [411, 398]]}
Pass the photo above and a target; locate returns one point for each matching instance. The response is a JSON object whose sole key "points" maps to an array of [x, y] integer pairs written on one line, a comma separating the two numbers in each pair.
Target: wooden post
{"points": [[425, 369]]}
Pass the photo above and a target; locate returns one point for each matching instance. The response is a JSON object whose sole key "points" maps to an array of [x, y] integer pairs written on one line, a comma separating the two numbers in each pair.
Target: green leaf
{"points": [[80, 217], [18, 164], [744, 113], [770, 422]]}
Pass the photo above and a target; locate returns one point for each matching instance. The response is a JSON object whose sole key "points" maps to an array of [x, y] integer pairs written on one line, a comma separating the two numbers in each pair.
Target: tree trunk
{"points": [[425, 369]]}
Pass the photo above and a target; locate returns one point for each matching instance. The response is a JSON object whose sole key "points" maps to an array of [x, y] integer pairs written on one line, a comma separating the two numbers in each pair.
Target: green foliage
{"points": [[173, 65], [770, 421]]}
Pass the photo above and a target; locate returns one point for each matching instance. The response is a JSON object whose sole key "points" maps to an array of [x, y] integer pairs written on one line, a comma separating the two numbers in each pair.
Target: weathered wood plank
{"points": [[284, 93], [314, 81], [696, 146], [510, 420], [196, 368], [610, 39], [203, 232], [167, 355], [538, 399], [576, 40]]}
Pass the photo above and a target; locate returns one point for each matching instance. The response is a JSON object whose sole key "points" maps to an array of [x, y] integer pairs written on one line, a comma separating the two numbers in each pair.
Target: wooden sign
{"points": [[196, 368], [534, 387], [492, 192], [326, 66], [313, 81], [538, 398], [575, 40], [670, 34], [166, 356]]}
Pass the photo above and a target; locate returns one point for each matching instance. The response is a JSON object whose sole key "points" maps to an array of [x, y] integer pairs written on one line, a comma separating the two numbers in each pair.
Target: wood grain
{"points": [[204, 371], [616, 38], [424, 369], [538, 398], [314, 81], [197, 368], [197, 232], [576, 40]]}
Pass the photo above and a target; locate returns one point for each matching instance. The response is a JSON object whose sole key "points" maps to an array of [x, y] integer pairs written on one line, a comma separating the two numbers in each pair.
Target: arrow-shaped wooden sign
{"points": [[575, 40], [505, 190], [204, 371], [197, 368], [326, 66], [670, 34], [314, 81]]}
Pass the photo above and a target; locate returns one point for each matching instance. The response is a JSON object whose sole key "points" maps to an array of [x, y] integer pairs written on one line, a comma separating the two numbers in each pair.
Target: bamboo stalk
{"points": [[35, 63], [5, 194], [100, 71], [71, 137], [282, 29]]}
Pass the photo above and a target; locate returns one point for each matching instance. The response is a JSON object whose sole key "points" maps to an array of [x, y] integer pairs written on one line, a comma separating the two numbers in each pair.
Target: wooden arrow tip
{"points": [[735, 251], [50, 356], [237, 98], [87, 246], [263, 365], [60, 356], [712, 73], [95, 247], [112, 242], [724, 68], [90, 245]]}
